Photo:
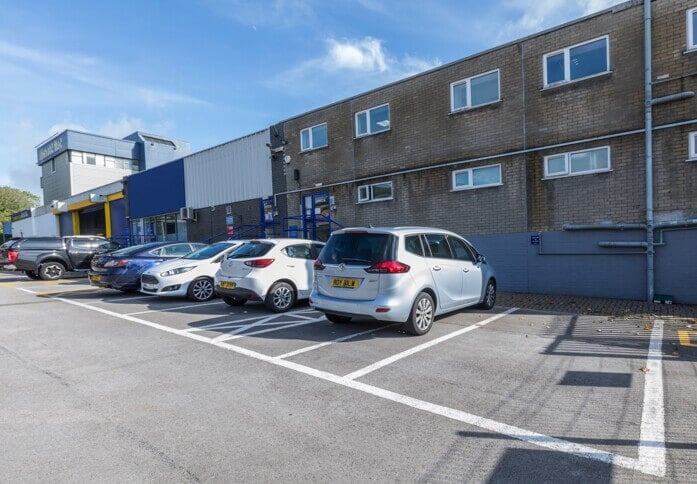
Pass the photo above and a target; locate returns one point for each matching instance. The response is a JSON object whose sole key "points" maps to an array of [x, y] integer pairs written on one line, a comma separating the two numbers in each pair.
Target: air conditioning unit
{"points": [[187, 213]]}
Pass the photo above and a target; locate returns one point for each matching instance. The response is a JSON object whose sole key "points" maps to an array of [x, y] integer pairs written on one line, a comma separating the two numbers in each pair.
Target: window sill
{"points": [[691, 160], [558, 85], [690, 50], [473, 108], [464, 189], [554, 177], [367, 135], [309, 150], [375, 201]]}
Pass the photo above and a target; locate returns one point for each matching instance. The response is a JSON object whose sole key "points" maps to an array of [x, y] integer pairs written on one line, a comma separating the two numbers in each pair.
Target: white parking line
{"points": [[198, 305], [652, 447], [232, 323], [119, 299], [534, 438], [268, 330], [337, 340], [245, 327], [421, 347]]}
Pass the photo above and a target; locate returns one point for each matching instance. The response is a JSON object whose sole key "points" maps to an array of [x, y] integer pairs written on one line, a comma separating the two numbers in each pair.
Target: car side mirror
{"points": [[481, 259]]}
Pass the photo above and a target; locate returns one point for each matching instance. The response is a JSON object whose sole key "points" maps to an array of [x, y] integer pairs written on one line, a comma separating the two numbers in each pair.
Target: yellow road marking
{"points": [[685, 338]]}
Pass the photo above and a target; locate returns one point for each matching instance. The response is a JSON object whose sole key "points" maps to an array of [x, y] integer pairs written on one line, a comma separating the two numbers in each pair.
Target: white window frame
{"points": [[567, 163], [368, 197], [567, 62], [471, 185], [468, 83], [692, 143], [312, 143], [690, 29], [367, 118]]}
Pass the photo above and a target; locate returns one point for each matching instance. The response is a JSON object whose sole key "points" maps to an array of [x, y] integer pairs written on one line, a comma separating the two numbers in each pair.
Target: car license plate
{"points": [[344, 282], [227, 285], [149, 287], [94, 278]]}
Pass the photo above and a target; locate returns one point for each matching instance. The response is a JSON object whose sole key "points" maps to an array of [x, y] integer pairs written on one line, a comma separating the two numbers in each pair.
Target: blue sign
{"points": [[535, 239], [7, 228]]}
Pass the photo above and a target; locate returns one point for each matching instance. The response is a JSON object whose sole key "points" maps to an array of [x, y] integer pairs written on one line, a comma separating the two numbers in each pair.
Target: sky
{"points": [[210, 71]]}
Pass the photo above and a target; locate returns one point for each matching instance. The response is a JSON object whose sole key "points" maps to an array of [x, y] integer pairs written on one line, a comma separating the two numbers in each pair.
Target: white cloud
{"points": [[351, 64]]}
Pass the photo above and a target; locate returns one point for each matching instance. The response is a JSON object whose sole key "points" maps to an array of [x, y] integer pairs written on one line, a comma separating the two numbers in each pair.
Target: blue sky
{"points": [[210, 71]]}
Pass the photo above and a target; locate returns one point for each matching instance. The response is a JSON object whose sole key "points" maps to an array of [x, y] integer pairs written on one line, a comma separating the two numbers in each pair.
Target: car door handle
{"points": [[464, 269], [436, 268], [290, 265]]}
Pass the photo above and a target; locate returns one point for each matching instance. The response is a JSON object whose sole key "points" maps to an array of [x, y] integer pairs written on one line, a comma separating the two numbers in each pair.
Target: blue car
{"points": [[122, 269]]}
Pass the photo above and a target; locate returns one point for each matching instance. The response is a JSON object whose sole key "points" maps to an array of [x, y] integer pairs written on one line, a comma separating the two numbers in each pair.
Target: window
{"points": [[460, 250], [438, 245], [90, 159], [373, 120], [375, 192], [299, 251], [578, 162], [413, 244], [314, 137], [691, 31], [577, 62], [484, 176], [693, 145], [53, 165], [475, 91]]}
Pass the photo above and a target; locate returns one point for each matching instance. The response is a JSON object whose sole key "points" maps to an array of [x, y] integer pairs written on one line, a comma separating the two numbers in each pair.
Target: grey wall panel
{"points": [[676, 266], [566, 263], [232, 172]]}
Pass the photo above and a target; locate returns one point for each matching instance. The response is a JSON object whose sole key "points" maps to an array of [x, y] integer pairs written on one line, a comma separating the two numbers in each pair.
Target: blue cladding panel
{"points": [[157, 191], [119, 227], [676, 266], [66, 223]]}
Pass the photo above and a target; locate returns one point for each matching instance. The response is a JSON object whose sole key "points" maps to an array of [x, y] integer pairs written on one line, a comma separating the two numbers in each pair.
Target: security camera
{"points": [[277, 149]]}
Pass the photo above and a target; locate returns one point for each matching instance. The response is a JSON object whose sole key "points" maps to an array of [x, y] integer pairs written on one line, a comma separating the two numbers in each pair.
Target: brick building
{"points": [[534, 150]]}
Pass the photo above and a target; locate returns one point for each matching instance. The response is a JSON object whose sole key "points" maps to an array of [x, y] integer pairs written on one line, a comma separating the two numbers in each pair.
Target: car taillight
{"points": [[318, 265], [259, 263], [116, 263], [388, 267], [12, 256]]}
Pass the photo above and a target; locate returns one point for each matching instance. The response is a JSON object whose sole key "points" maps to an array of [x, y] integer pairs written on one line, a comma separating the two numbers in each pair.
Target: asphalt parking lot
{"points": [[104, 385]]}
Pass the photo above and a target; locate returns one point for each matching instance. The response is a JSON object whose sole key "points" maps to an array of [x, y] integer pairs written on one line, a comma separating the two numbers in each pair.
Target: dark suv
{"points": [[7, 254], [48, 258]]}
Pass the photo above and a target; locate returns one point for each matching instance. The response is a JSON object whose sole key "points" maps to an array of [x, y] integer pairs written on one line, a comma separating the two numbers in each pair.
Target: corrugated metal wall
{"points": [[232, 172]]}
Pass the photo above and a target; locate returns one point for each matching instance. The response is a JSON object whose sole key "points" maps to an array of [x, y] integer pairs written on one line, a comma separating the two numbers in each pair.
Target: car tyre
{"points": [[32, 275], [234, 301], [201, 290], [489, 295], [335, 318], [421, 317], [281, 297], [51, 271]]}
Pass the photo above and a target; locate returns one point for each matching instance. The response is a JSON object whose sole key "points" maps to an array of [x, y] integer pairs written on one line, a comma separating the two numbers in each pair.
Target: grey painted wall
{"points": [[572, 263]]}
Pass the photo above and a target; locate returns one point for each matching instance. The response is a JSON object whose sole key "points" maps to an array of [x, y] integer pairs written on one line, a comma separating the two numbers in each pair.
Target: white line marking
{"points": [[268, 330], [239, 329], [119, 299], [558, 445], [652, 450], [198, 305], [337, 340], [421, 347], [226, 324]]}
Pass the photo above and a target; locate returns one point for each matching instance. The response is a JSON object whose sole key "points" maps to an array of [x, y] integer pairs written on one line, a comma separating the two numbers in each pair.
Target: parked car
{"points": [[122, 269], [276, 271], [404, 274], [7, 254], [190, 276], [49, 258]]}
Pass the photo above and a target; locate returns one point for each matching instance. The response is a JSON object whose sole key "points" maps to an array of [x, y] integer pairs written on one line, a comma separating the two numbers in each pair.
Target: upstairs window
{"points": [[577, 62], [53, 165], [693, 145], [483, 176], [475, 91], [691, 31], [314, 137], [373, 120], [375, 192], [578, 162]]}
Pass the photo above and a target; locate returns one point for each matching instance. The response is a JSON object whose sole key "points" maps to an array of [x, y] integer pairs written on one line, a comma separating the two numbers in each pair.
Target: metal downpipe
{"points": [[649, 152]]}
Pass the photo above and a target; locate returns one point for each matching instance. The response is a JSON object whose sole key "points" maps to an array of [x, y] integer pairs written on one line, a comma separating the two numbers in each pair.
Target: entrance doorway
{"points": [[317, 220]]}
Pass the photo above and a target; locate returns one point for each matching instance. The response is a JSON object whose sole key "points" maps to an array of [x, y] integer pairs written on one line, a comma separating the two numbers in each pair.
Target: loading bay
{"points": [[103, 385]]}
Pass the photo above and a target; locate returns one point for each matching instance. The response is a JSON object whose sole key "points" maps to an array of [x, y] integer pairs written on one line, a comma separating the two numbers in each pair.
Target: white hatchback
{"points": [[275, 271], [190, 276]]}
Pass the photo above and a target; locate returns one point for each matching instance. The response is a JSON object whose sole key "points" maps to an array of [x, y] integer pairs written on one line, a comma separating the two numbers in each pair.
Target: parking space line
{"points": [[387, 361], [227, 337], [245, 327], [534, 438], [119, 299], [198, 305], [337, 340], [652, 449]]}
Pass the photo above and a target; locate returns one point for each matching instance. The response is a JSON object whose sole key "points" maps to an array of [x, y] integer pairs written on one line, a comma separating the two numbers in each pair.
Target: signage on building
{"points": [[22, 214], [535, 239], [51, 148]]}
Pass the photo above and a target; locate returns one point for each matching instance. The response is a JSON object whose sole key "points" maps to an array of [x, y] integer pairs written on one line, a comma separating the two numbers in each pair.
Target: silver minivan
{"points": [[401, 274]]}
